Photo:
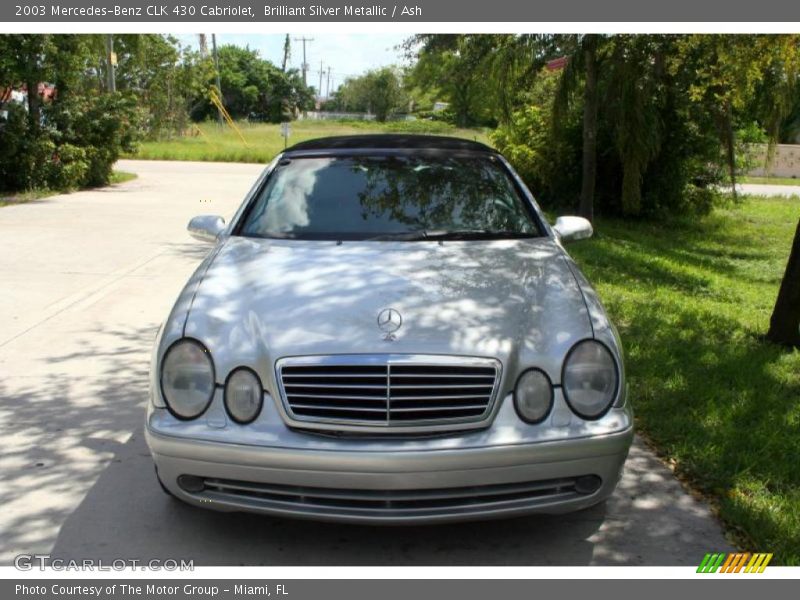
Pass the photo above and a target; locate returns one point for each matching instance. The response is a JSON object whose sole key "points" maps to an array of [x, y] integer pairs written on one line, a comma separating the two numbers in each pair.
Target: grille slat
{"points": [[388, 390], [441, 387], [396, 399], [341, 386], [335, 378], [469, 407], [435, 376], [299, 406], [381, 399]]}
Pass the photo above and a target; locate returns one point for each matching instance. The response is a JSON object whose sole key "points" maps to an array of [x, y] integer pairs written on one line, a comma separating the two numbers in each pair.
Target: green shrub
{"points": [[419, 126], [76, 145], [746, 137], [681, 177], [546, 155], [524, 143], [435, 115], [700, 200], [105, 126], [24, 158], [68, 169]]}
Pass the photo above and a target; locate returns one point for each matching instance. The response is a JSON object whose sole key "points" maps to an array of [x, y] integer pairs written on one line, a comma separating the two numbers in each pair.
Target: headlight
{"points": [[533, 396], [243, 395], [187, 379], [590, 379]]}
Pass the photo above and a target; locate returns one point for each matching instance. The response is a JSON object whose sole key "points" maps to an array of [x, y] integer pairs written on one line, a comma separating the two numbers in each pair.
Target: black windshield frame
{"points": [[522, 194]]}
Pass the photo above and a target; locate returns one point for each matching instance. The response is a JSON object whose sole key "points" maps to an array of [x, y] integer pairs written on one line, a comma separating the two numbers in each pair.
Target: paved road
{"points": [[87, 278], [762, 189]]}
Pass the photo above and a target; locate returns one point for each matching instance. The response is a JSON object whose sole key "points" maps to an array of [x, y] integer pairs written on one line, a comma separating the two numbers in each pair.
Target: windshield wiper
{"points": [[402, 236], [475, 234], [450, 234]]}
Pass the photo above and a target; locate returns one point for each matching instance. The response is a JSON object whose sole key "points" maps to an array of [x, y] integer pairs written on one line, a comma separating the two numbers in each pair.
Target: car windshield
{"points": [[388, 197]]}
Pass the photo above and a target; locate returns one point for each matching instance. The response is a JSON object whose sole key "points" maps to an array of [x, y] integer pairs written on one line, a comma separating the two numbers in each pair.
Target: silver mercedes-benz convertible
{"points": [[389, 331]]}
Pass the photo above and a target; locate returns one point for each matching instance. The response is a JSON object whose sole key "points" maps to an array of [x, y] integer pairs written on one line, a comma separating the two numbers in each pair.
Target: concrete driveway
{"points": [[86, 280]]}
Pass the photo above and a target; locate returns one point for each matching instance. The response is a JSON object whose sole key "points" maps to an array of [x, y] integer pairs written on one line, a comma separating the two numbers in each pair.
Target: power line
{"points": [[346, 75]]}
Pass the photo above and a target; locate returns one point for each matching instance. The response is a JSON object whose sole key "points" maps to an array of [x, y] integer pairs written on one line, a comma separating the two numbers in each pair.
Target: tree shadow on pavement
{"points": [[649, 520]]}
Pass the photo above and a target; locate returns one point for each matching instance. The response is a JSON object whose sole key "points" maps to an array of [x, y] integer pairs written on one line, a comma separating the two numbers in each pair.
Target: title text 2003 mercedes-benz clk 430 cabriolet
{"points": [[389, 331]]}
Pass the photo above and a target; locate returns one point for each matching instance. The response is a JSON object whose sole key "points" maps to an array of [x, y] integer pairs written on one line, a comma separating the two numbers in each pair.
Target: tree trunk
{"points": [[34, 115], [730, 147], [590, 102], [784, 326], [32, 83], [33, 48]]}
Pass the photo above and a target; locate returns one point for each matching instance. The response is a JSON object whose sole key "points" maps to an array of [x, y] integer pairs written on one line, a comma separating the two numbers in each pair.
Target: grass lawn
{"points": [[121, 177], [770, 180], [23, 197], [692, 299], [211, 142], [29, 196]]}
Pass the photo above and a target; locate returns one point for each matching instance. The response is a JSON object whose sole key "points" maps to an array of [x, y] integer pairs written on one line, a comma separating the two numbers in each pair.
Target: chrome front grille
{"points": [[389, 390]]}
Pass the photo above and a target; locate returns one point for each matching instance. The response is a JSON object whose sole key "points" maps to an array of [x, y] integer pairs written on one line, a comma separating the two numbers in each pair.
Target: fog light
{"points": [[533, 396], [191, 483], [588, 484], [243, 395]]}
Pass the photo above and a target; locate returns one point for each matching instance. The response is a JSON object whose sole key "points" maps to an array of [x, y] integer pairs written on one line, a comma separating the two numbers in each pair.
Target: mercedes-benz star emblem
{"points": [[389, 320]]}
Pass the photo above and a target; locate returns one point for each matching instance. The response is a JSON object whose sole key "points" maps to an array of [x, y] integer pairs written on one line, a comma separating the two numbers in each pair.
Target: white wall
{"points": [[785, 162]]}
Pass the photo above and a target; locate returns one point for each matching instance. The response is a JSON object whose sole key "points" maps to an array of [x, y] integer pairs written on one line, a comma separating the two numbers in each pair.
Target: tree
{"points": [[591, 100], [27, 58], [669, 112], [483, 77], [730, 72], [451, 66], [379, 92], [254, 88], [784, 327], [583, 65], [622, 73], [549, 162], [384, 93], [68, 139], [351, 96], [164, 77]]}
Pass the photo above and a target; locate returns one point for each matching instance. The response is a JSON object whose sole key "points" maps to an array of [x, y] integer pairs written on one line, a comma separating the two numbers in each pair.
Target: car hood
{"points": [[515, 300]]}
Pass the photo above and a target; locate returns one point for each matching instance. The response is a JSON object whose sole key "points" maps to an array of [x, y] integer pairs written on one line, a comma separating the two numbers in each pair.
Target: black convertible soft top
{"points": [[390, 142]]}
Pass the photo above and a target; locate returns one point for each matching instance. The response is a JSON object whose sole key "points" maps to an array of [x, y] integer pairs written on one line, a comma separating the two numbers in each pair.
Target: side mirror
{"points": [[206, 227], [571, 229]]}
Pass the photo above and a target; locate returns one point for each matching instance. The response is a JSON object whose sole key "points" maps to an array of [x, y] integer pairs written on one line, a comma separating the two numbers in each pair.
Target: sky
{"points": [[347, 54]]}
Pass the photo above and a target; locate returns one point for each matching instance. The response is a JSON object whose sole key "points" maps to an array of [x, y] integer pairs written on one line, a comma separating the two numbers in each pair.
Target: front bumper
{"points": [[509, 469]]}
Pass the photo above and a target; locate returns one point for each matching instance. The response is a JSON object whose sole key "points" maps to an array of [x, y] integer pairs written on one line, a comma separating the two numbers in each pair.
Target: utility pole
{"points": [[111, 60], [203, 43], [305, 64], [328, 88], [216, 70], [287, 52], [321, 73]]}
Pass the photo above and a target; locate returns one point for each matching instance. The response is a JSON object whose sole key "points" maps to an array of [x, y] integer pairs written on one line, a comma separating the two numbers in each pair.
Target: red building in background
{"points": [[46, 91]]}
